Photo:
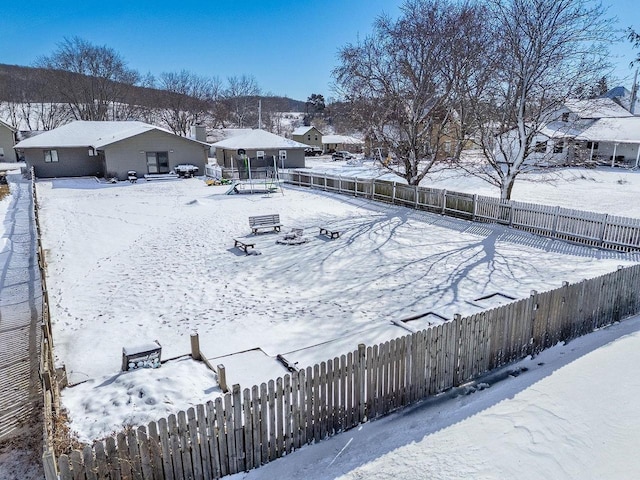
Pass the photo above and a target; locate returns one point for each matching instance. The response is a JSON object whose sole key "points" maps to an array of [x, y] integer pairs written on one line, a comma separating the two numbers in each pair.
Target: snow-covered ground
{"points": [[603, 190], [572, 414], [155, 260], [129, 264]]}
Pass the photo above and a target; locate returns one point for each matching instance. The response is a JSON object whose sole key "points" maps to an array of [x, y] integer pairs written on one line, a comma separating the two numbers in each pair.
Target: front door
{"points": [[158, 162]]}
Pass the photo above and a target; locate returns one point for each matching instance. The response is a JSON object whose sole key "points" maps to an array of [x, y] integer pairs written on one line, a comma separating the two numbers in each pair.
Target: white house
{"points": [[594, 130]]}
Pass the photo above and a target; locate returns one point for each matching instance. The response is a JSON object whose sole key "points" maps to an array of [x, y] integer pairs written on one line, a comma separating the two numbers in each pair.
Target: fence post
{"points": [[475, 206], [458, 353], [195, 346], [604, 228], [325, 183], [222, 378], [534, 307], [554, 229], [362, 352], [393, 196], [444, 201], [340, 183], [373, 188], [49, 465], [510, 213], [415, 193]]}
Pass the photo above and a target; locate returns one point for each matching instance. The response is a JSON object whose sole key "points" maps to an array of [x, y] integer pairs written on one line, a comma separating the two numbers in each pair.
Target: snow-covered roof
{"points": [[302, 130], [258, 139], [596, 108], [622, 96], [90, 134], [341, 139], [559, 129], [622, 130], [619, 91], [219, 134]]}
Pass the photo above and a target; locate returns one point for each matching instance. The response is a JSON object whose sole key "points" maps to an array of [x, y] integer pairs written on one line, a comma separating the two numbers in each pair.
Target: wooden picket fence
{"points": [[586, 228], [48, 372], [247, 428]]}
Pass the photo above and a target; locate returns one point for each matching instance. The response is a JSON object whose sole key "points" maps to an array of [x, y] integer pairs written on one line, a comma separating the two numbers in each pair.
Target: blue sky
{"points": [[289, 46]]}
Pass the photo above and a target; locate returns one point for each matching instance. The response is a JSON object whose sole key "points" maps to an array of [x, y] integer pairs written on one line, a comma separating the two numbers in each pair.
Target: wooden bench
{"points": [[265, 221], [243, 245], [329, 233]]}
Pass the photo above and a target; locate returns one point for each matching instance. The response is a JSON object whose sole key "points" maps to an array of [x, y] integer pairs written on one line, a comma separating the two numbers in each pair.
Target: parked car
{"points": [[312, 151], [341, 155]]}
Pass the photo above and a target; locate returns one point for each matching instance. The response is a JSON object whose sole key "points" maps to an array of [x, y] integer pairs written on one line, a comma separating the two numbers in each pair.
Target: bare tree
{"points": [[29, 104], [184, 99], [634, 38], [401, 87], [546, 51], [101, 78], [240, 96]]}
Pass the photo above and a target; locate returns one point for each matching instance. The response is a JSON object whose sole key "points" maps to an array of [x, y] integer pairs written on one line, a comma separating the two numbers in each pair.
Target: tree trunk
{"points": [[507, 187]]}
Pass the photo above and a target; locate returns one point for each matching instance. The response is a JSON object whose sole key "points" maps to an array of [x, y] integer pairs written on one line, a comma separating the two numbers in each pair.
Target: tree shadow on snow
{"points": [[355, 448]]}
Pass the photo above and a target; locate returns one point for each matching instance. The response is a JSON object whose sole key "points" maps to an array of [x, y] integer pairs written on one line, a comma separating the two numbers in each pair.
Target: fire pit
{"points": [[294, 237]]}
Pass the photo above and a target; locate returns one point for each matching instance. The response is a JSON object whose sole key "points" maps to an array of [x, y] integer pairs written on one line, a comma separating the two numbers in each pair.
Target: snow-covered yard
{"points": [[155, 261], [603, 190]]}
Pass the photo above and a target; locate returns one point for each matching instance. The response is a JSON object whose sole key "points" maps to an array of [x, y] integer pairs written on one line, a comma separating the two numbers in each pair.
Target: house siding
{"points": [[295, 156], [7, 141], [72, 162], [313, 138], [125, 155]]}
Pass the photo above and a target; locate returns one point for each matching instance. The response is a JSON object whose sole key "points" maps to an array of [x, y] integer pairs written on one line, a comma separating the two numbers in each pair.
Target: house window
{"points": [[541, 147], [565, 117], [308, 137], [591, 145], [316, 137], [50, 156], [558, 147], [260, 154], [282, 154]]}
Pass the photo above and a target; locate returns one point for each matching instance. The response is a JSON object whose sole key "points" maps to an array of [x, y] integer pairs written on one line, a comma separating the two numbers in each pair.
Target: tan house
{"points": [[308, 135], [334, 143], [110, 149], [7, 141]]}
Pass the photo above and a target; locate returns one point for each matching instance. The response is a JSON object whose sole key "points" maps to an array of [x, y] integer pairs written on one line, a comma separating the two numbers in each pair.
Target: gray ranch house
{"points": [[260, 148], [7, 141], [110, 149]]}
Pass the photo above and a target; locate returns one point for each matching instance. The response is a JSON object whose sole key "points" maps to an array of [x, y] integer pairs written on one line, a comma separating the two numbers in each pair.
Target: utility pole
{"points": [[634, 93]]}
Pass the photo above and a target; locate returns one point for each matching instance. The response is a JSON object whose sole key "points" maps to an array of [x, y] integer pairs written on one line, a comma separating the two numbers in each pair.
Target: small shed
{"points": [[260, 146]]}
